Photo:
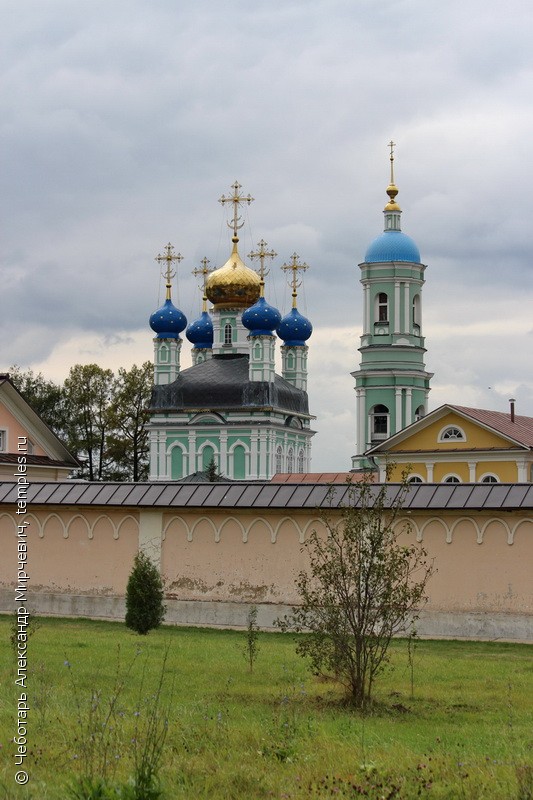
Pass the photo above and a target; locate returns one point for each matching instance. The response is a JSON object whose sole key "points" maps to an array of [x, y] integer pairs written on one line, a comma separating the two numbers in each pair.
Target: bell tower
{"points": [[392, 384]]}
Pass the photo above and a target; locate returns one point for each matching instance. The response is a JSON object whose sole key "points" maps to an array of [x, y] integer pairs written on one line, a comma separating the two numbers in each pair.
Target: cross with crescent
{"points": [[169, 256], [236, 199], [295, 268], [261, 254], [203, 270]]}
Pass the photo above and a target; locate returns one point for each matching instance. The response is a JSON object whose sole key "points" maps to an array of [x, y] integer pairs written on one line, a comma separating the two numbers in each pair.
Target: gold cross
{"points": [[392, 145], [203, 270], [295, 267], [169, 256], [236, 199], [261, 254]]}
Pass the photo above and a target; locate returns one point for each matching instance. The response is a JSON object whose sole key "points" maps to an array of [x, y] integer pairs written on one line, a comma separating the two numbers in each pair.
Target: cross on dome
{"points": [[261, 254], [295, 268], [236, 199], [203, 270], [169, 256]]}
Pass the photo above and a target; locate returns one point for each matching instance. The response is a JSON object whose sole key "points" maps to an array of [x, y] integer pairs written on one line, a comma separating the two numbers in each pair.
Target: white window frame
{"points": [[442, 431], [447, 478], [483, 478], [415, 478], [3, 440]]}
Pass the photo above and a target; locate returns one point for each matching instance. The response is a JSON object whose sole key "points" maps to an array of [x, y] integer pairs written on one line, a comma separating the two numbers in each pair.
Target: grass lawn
{"points": [[466, 731]]}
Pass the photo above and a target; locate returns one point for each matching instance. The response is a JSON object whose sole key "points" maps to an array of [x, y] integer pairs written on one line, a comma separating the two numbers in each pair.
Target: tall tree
{"points": [[88, 391], [44, 396], [365, 583], [128, 442]]}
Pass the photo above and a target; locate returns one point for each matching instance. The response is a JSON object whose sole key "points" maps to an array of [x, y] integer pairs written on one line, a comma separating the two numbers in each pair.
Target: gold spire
{"points": [[169, 256], [295, 268], [236, 199], [392, 189], [261, 254], [203, 270]]}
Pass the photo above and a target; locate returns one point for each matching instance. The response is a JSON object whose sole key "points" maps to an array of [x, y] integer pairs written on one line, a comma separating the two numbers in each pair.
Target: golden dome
{"points": [[234, 285]]}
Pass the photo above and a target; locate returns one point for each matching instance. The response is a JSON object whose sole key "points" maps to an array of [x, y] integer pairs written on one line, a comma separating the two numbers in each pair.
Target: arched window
{"points": [[279, 457], [452, 434], [489, 478], [379, 417], [383, 307], [239, 462], [415, 479], [301, 460], [416, 313], [419, 413], [290, 460], [451, 479], [228, 334], [208, 455]]}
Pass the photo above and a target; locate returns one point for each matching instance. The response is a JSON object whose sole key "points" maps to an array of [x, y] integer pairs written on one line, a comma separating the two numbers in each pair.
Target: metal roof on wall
{"points": [[254, 495]]}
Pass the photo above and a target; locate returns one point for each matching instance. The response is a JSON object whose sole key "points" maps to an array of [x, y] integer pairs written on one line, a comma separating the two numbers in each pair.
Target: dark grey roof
{"points": [[224, 494], [222, 383]]}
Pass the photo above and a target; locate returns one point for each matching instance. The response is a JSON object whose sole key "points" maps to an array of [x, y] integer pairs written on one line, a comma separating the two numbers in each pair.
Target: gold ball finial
{"points": [[392, 189]]}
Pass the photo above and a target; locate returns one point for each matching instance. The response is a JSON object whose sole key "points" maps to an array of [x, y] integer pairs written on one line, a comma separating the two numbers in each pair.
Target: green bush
{"points": [[145, 609]]}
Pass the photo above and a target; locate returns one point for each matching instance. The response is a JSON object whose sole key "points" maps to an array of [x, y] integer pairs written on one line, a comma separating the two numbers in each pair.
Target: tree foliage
{"points": [[99, 416], [145, 609], [365, 582]]}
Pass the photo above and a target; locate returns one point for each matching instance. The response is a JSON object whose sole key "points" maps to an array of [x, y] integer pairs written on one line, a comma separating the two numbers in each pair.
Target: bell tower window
{"points": [[379, 421], [383, 307], [228, 335]]}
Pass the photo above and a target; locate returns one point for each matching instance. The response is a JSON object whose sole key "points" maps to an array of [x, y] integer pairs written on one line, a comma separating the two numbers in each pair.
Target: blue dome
{"points": [[294, 329], [200, 332], [168, 321], [392, 246], [261, 319]]}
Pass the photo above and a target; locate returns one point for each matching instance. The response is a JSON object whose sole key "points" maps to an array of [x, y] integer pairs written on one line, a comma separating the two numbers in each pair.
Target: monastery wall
{"points": [[218, 561]]}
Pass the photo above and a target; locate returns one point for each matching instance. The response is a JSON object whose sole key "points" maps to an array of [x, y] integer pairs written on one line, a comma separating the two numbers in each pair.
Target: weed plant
{"points": [[227, 734]]}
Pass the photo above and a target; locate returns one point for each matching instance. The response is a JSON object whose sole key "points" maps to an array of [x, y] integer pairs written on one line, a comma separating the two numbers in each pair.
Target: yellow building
{"points": [[455, 444]]}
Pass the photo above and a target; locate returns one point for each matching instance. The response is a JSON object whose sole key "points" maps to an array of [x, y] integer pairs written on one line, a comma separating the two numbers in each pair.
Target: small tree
{"points": [[364, 584], [251, 647], [144, 596], [211, 473]]}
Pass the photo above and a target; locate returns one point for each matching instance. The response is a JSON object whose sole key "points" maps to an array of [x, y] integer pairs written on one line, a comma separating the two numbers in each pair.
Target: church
{"points": [[230, 409], [226, 544]]}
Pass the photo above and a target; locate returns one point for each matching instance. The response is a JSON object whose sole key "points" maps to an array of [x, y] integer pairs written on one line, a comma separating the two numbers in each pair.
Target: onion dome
{"points": [[294, 328], [261, 319], [200, 332], [233, 285], [168, 321], [392, 246]]}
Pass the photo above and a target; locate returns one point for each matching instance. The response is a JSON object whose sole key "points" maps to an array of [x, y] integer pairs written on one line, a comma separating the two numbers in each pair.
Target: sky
{"points": [[124, 122]]}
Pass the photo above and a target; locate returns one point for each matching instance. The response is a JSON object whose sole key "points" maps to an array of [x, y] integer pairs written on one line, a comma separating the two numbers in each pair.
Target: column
{"points": [[223, 466], [192, 452], [409, 410], [472, 471], [162, 450], [398, 421], [407, 309], [429, 471], [396, 307]]}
